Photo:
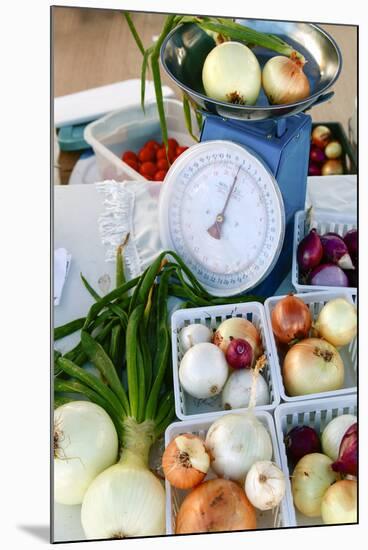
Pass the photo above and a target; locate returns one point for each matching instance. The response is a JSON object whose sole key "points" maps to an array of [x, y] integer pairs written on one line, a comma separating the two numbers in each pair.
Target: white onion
{"points": [[337, 322], [334, 432], [265, 485], [235, 442], [237, 390], [194, 334], [311, 478], [85, 443], [339, 503], [231, 73], [203, 371]]}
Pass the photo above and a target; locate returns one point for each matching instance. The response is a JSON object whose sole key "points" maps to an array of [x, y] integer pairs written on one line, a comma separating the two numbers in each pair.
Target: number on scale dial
{"points": [[221, 210]]}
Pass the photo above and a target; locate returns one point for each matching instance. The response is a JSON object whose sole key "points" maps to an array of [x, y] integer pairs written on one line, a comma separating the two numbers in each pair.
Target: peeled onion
{"points": [[185, 461], [291, 319], [337, 322], [339, 503], [312, 366], [215, 505], [311, 478], [231, 73], [284, 80]]}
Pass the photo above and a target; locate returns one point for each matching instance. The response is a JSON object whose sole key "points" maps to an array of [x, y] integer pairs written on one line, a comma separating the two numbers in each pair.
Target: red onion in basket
{"points": [[239, 354], [300, 441], [310, 251], [336, 251], [314, 169], [351, 241], [328, 275], [316, 154], [347, 463]]}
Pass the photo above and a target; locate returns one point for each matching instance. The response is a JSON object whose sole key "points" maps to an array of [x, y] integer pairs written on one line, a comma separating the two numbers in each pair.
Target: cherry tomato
{"points": [[161, 153], [180, 150], [129, 155], [162, 164], [133, 164], [172, 143], [148, 169], [151, 144], [172, 155], [146, 154], [160, 175]]}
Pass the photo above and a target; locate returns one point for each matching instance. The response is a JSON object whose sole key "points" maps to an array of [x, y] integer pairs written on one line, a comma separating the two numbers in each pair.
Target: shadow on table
{"points": [[41, 532]]}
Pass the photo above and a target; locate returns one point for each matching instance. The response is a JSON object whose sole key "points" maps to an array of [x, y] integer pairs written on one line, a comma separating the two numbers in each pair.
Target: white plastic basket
{"points": [[188, 407], [315, 302], [324, 222], [316, 414], [174, 497], [129, 129]]}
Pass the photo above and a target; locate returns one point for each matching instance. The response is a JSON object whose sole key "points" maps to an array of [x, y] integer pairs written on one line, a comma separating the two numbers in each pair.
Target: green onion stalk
{"points": [[126, 337], [220, 30]]}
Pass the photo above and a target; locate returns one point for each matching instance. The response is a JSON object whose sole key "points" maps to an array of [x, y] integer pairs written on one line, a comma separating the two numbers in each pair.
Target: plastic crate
{"points": [[316, 414], [129, 129], [325, 222], [174, 497], [188, 407], [315, 302]]}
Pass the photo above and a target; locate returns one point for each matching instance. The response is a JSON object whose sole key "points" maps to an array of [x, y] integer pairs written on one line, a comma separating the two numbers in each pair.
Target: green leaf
{"points": [[133, 30]]}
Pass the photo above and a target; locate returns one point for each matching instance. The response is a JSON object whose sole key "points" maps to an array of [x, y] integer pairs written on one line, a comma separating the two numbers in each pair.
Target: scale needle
{"points": [[215, 229]]}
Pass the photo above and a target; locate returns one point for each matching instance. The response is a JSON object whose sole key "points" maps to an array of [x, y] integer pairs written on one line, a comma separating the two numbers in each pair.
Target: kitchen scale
{"points": [[228, 203]]}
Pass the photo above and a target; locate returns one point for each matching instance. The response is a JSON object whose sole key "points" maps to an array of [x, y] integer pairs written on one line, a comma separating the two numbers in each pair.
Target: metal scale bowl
{"points": [[277, 135]]}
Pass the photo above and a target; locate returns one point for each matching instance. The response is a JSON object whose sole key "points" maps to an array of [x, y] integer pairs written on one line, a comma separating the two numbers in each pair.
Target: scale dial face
{"points": [[221, 210]]}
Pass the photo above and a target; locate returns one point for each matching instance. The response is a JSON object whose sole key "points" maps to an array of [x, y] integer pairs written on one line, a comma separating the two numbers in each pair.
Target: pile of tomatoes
{"points": [[151, 160]]}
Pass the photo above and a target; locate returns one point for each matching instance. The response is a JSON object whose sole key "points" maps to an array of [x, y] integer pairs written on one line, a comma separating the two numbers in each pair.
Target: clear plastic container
{"points": [[188, 407], [129, 129], [325, 222], [315, 302], [316, 414], [174, 497]]}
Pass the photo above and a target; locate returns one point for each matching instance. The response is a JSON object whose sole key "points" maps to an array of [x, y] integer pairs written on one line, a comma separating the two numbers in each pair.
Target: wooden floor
{"points": [[94, 47]]}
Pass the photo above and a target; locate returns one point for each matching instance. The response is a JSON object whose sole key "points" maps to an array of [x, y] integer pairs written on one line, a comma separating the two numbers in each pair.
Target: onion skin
{"points": [[347, 463], [311, 478], [181, 457], [237, 327], [214, 506], [300, 441], [328, 275], [310, 251], [337, 322], [312, 366], [284, 80], [291, 319], [339, 503]]}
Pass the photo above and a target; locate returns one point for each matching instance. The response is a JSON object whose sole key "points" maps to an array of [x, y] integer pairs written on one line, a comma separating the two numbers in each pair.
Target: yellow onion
{"points": [[185, 461], [337, 322], [237, 327], [213, 506], [291, 319], [311, 478], [339, 503], [284, 80], [312, 366]]}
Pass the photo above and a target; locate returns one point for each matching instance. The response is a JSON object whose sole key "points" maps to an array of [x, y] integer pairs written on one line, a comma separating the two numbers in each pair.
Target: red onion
{"points": [[351, 241], [300, 441], [328, 275], [239, 354], [314, 169], [310, 251], [316, 154], [336, 251], [347, 463]]}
